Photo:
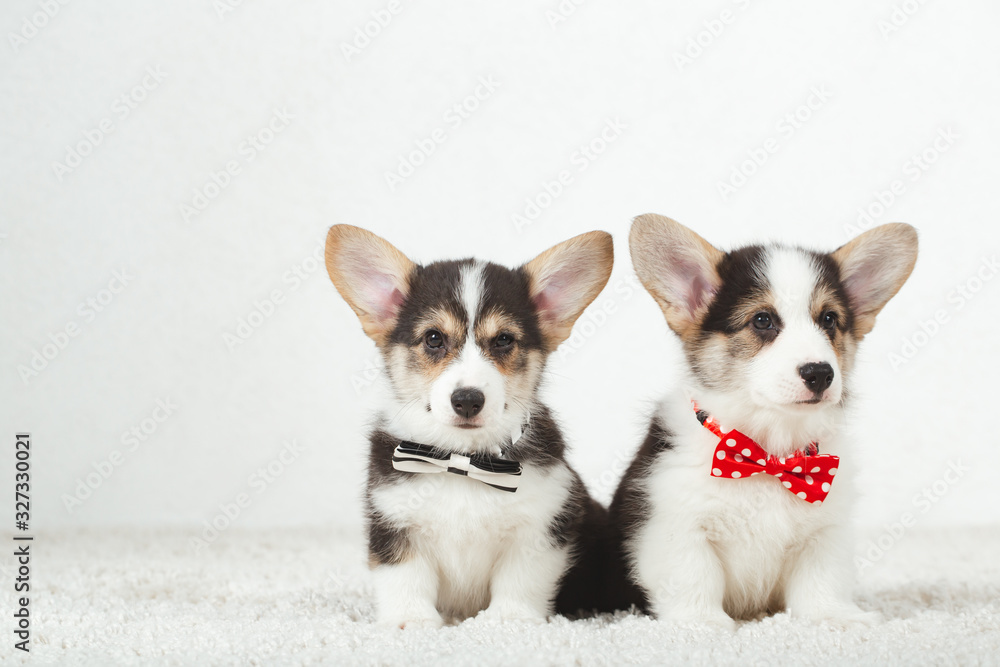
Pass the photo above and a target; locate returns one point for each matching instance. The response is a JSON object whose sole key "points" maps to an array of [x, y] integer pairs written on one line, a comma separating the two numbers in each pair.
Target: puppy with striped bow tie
{"points": [[470, 503], [737, 504]]}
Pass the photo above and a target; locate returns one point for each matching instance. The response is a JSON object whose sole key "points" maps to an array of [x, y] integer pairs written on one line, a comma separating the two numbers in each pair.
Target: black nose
{"points": [[467, 402], [817, 377]]}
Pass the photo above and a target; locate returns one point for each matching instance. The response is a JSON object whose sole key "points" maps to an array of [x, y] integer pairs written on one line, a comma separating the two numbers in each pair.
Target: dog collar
{"points": [[807, 473], [495, 471]]}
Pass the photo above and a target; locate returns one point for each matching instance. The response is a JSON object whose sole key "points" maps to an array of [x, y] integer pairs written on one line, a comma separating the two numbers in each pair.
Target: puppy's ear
{"points": [[873, 267], [677, 267], [372, 276], [565, 279]]}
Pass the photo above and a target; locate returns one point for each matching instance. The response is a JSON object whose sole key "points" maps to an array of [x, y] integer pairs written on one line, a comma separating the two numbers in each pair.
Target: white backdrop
{"points": [[170, 169]]}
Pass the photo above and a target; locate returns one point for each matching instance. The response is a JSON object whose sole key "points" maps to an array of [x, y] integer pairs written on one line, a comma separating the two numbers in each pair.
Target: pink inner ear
{"points": [[544, 304], [862, 286], [701, 292], [693, 285], [395, 302], [549, 302], [382, 295]]}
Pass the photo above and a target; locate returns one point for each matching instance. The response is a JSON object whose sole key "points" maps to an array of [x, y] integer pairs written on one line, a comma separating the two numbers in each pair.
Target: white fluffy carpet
{"points": [[304, 597]]}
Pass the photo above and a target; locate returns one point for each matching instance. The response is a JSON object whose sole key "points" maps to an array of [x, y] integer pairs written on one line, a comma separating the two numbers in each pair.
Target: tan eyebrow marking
{"points": [[513, 361], [444, 321], [823, 299], [742, 314], [493, 323]]}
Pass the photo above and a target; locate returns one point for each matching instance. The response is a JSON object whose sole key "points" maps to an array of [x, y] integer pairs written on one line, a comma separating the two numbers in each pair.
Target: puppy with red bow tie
{"points": [[738, 502]]}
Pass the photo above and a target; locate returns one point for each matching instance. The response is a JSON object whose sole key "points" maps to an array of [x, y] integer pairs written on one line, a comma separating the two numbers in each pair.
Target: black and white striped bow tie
{"points": [[497, 472]]}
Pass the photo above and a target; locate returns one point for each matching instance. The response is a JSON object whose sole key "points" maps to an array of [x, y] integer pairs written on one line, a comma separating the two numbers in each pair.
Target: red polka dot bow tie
{"points": [[807, 474]]}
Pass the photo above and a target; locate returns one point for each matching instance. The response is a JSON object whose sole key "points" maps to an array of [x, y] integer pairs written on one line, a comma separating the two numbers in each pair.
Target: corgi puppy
{"points": [[738, 502], [470, 503]]}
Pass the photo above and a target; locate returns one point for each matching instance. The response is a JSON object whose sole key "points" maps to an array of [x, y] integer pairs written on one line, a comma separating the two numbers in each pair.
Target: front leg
{"points": [[681, 574], [526, 578], [820, 579], [406, 582], [406, 594]]}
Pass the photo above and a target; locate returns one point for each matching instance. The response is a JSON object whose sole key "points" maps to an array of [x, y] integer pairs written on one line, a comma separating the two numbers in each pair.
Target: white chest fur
{"points": [[752, 529], [463, 528]]}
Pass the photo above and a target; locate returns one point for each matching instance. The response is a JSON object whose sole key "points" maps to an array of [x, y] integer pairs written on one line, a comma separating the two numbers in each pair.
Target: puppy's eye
{"points": [[828, 320], [434, 339], [762, 321], [503, 340]]}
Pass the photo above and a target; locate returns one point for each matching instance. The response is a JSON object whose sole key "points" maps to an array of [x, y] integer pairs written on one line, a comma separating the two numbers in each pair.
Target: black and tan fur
{"points": [[445, 547]]}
